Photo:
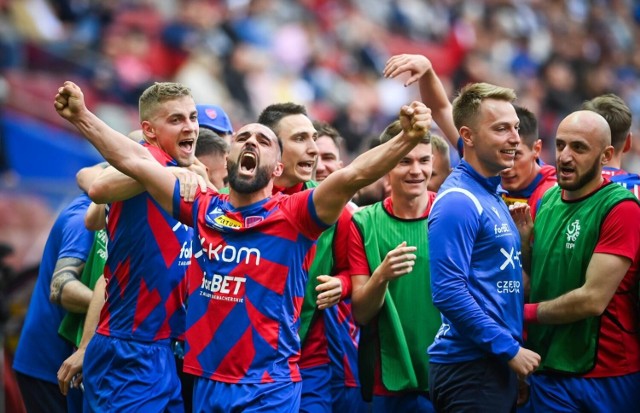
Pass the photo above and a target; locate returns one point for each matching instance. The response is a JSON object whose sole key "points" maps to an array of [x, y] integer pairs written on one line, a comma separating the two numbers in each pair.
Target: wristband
{"points": [[345, 280], [531, 313]]}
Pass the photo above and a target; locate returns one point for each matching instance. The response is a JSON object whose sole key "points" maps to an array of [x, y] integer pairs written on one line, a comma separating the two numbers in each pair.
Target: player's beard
{"points": [[581, 180], [247, 186]]}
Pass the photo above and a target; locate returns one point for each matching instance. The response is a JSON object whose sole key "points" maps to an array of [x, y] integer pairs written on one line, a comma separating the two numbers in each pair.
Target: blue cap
{"points": [[214, 118]]}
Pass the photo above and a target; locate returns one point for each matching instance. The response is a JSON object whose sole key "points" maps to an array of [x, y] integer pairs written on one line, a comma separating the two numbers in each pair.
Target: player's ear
{"points": [[148, 131], [537, 147], [466, 135], [627, 143], [607, 154], [277, 171]]}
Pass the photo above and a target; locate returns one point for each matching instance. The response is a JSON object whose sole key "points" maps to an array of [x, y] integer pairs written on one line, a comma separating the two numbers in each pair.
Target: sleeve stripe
{"points": [[462, 191]]}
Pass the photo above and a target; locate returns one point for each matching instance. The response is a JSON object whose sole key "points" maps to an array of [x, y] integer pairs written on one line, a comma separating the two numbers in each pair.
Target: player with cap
{"points": [[215, 118]]}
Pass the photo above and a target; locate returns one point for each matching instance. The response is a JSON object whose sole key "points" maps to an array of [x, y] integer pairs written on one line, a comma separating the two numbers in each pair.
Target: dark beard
{"points": [[243, 186], [587, 177]]}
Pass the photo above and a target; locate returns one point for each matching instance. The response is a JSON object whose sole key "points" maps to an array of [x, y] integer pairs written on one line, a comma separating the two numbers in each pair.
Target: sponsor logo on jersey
{"points": [[185, 253], [227, 222], [252, 220], [510, 258], [508, 287], [502, 230], [217, 219], [230, 253], [223, 287]]}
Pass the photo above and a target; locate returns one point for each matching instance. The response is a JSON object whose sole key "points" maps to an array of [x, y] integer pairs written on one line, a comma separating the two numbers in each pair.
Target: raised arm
{"points": [[333, 193], [121, 152], [432, 91]]}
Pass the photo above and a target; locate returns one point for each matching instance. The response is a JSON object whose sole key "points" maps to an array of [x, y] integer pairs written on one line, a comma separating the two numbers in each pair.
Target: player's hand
{"points": [[525, 362], [398, 262], [521, 214], [415, 120], [190, 183], [330, 290], [200, 169], [70, 372], [416, 65], [69, 102]]}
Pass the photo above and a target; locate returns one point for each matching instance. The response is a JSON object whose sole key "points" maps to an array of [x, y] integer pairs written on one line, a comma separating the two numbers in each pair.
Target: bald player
{"points": [[583, 316]]}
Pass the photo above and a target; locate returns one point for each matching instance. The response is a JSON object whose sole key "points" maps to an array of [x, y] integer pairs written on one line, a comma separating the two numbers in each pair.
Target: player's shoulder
{"points": [[454, 199]]}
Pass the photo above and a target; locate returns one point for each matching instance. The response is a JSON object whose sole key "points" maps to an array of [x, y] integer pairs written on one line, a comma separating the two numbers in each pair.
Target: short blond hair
{"points": [[466, 105], [158, 93]]}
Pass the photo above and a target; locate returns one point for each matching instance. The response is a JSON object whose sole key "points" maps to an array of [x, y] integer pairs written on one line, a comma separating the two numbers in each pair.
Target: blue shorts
{"points": [[316, 390], [129, 376], [551, 393], [348, 399], [484, 385], [217, 396]]}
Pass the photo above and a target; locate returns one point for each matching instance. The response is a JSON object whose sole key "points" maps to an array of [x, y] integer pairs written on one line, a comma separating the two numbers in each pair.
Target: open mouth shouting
{"points": [[187, 145], [248, 162]]}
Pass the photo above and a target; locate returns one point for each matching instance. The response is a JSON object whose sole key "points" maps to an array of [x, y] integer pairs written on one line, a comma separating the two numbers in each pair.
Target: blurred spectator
{"points": [[328, 54]]}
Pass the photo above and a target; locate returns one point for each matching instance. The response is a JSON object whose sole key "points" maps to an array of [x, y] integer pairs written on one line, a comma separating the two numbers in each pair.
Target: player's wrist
{"points": [[531, 313]]}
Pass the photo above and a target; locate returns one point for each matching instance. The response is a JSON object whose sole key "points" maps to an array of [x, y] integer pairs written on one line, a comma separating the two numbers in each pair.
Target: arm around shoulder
{"points": [[112, 185], [95, 218]]}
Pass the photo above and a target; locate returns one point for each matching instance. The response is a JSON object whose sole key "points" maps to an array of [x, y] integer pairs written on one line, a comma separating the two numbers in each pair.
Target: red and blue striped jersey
{"points": [[333, 336], [619, 176], [149, 252], [532, 194], [247, 286], [343, 335]]}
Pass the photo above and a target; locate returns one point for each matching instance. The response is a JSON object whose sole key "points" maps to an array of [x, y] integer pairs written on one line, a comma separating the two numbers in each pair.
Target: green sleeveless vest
{"points": [[408, 321], [72, 325], [322, 265], [565, 236]]}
